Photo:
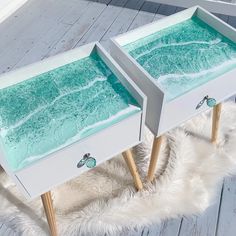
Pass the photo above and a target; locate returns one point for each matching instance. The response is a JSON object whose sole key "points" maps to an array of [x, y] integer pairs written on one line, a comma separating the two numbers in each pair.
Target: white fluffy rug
{"points": [[103, 200]]}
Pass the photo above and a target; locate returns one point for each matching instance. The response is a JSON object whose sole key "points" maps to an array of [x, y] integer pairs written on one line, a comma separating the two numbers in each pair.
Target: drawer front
{"points": [[185, 107], [71, 161]]}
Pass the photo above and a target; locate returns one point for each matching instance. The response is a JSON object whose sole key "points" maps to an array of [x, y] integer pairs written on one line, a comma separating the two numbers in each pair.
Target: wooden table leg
{"points": [[48, 207], [215, 122], [156, 147], [133, 169]]}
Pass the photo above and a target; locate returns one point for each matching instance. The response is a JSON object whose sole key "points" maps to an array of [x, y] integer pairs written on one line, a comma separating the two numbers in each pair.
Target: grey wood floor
{"points": [[44, 28]]}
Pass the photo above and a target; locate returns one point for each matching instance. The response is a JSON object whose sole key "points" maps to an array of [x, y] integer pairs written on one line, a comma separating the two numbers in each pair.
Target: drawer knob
{"points": [[211, 102], [87, 160]]}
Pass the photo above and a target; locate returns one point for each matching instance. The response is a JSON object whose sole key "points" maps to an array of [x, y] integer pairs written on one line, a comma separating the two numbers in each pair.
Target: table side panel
{"points": [[216, 23], [61, 166], [155, 96], [123, 77], [127, 82]]}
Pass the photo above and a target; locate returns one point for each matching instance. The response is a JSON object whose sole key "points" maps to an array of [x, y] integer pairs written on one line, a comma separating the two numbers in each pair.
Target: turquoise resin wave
{"points": [[52, 110], [184, 56]]}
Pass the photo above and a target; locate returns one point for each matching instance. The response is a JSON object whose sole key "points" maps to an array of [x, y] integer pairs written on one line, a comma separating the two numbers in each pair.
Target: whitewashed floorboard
{"points": [[166, 10], [178, 9], [44, 19], [42, 47], [205, 224], [145, 16], [79, 29], [5, 231], [102, 1], [22, 18], [103, 23], [123, 21], [227, 216], [75, 13], [232, 21], [170, 227], [1, 225]]}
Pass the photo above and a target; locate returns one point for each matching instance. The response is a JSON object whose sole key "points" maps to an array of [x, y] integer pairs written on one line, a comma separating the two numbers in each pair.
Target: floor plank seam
{"points": [[138, 11], [83, 33], [122, 7], [180, 226], [76, 44], [219, 209]]}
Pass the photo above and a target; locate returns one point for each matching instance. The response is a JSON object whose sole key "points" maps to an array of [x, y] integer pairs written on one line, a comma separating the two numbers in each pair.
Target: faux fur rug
{"points": [[104, 201]]}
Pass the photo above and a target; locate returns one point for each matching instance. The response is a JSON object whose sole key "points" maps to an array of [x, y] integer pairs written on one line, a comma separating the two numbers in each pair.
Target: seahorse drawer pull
{"points": [[211, 102], [87, 160]]}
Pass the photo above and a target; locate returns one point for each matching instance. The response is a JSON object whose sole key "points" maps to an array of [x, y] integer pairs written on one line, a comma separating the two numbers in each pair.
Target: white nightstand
{"points": [[179, 63], [64, 115]]}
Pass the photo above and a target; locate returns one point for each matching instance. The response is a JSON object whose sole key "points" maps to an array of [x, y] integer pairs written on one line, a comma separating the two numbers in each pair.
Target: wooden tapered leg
{"points": [[133, 169], [215, 122], [156, 147], [48, 207]]}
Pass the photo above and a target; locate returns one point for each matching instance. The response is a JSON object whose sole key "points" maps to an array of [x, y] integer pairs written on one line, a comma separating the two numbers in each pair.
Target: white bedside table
{"points": [[64, 115], [184, 63]]}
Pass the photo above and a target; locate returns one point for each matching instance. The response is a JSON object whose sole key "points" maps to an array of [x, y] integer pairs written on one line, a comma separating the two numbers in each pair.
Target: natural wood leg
{"points": [[133, 169], [48, 207], [215, 122], [156, 147]]}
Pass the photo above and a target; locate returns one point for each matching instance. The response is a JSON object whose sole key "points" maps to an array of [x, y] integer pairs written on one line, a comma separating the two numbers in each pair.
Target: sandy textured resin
{"points": [[184, 56]]}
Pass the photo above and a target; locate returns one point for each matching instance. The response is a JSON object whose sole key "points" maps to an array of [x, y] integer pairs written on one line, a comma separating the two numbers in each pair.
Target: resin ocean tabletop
{"points": [[52, 110], [184, 56]]}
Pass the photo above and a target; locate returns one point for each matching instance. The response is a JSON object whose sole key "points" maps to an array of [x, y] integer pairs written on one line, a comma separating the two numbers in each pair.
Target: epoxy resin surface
{"points": [[184, 56], [47, 112]]}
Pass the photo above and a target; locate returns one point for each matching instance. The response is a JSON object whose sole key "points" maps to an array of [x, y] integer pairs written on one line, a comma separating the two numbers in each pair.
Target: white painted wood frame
{"points": [[60, 166]]}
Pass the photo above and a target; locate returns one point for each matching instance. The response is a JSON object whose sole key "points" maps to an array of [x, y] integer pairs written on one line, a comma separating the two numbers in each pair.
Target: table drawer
{"points": [[183, 108], [66, 163]]}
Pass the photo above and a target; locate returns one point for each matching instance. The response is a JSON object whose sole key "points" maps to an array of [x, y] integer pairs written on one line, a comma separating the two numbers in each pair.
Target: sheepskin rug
{"points": [[103, 201]]}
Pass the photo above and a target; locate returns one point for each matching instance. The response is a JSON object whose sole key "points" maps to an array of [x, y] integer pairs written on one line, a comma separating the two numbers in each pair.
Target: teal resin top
{"points": [[184, 56], [45, 113]]}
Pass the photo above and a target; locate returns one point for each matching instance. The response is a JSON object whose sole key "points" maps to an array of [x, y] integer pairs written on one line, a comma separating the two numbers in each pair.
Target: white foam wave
{"points": [[212, 42], [196, 75], [5, 130]]}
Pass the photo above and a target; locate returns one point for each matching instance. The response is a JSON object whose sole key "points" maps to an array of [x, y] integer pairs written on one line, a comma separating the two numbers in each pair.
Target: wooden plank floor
{"points": [[44, 28]]}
